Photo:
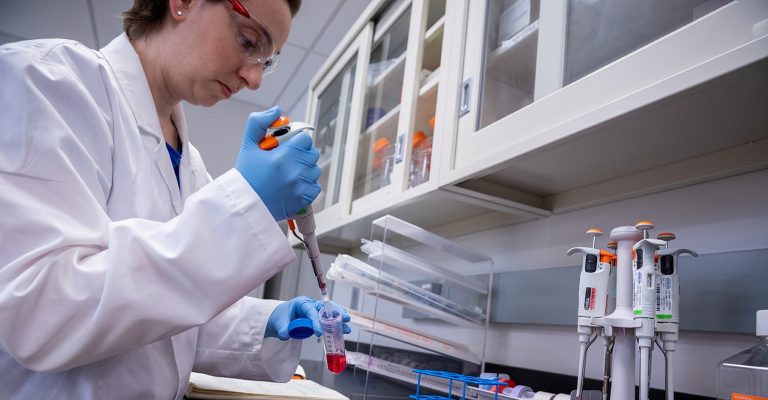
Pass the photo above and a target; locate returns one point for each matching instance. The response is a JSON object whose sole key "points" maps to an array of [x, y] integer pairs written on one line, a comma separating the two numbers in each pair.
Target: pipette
{"points": [[305, 222], [597, 298], [644, 300], [668, 306], [279, 132]]}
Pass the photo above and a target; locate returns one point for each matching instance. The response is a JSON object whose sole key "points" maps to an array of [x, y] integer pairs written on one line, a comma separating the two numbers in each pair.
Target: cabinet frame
{"points": [[358, 50]]}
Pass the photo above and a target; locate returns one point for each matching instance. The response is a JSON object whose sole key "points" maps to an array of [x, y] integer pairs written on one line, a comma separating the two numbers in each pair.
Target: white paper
{"points": [[202, 386]]}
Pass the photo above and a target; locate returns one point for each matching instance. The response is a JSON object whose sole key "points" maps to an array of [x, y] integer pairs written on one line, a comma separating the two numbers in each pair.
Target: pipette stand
{"points": [[621, 323]]}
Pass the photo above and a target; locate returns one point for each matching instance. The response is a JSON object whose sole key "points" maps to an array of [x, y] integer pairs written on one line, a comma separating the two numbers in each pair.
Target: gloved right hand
{"points": [[301, 307], [285, 178]]}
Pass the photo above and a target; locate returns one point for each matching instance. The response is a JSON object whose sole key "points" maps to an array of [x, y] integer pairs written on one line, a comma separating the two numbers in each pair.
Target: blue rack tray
{"points": [[450, 376]]}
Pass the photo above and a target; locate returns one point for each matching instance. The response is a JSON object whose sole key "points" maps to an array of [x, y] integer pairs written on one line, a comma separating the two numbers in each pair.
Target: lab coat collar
{"points": [[126, 65]]}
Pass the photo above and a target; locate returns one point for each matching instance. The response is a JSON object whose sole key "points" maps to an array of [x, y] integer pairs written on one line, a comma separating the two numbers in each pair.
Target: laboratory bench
{"points": [[351, 382]]}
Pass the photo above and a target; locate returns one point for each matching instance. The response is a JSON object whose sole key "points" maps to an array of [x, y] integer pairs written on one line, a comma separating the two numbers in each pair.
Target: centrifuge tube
{"points": [[333, 338]]}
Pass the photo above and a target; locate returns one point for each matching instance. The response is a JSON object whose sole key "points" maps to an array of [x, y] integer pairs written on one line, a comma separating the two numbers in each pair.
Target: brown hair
{"points": [[146, 16]]}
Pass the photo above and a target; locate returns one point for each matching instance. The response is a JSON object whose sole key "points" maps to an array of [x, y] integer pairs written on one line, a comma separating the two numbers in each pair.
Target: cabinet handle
{"points": [[399, 148], [466, 94]]}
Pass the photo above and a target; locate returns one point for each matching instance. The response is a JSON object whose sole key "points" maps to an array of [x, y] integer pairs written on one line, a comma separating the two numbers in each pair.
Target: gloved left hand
{"points": [[300, 307]]}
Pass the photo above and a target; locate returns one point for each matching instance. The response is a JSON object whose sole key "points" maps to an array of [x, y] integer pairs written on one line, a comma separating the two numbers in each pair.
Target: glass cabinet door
{"points": [[509, 71], [426, 102], [331, 123], [384, 84], [602, 31], [503, 73]]}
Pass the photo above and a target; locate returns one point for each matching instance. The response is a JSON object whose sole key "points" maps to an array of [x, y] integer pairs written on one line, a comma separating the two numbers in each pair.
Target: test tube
{"points": [[333, 338]]}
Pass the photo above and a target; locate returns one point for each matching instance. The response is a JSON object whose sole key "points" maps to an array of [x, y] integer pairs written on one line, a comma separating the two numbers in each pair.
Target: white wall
{"points": [[719, 216], [217, 132]]}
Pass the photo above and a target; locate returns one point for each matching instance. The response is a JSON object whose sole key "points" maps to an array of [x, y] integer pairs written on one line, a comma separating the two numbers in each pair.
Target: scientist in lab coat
{"points": [[123, 265]]}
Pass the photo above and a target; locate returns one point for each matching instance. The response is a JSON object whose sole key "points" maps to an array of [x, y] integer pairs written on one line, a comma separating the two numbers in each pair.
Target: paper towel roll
{"points": [[563, 396], [544, 396]]}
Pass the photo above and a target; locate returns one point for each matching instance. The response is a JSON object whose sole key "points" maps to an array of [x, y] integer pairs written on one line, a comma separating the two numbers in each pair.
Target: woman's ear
{"points": [[179, 8]]}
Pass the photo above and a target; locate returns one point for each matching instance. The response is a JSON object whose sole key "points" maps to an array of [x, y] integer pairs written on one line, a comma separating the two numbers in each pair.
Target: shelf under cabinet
{"points": [[449, 212], [706, 122]]}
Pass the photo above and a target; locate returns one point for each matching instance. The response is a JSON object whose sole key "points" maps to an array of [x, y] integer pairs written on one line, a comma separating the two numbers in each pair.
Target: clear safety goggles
{"points": [[258, 48]]}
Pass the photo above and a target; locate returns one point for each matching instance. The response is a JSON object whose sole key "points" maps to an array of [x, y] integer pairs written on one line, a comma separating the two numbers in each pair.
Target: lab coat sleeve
{"points": [[233, 345], [77, 287]]}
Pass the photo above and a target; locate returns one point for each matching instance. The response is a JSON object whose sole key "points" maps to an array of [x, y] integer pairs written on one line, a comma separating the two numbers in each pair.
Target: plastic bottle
{"points": [[420, 159], [333, 338], [383, 160], [745, 375]]}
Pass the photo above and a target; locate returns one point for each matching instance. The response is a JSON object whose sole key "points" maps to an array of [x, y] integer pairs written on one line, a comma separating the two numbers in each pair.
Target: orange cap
{"points": [[606, 257], [281, 121], [379, 144], [432, 122], [419, 137]]}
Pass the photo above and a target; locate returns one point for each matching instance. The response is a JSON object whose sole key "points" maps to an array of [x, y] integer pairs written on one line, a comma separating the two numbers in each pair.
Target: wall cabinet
{"points": [[586, 102], [463, 115]]}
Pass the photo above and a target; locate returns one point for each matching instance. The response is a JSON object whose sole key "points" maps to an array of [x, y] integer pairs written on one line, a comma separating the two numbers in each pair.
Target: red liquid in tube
{"points": [[336, 362]]}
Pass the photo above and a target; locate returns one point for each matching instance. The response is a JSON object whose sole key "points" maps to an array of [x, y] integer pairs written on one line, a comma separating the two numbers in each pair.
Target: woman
{"points": [[123, 266]]}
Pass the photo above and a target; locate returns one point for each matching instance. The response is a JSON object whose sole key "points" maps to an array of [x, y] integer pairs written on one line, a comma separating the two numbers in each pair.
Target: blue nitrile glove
{"points": [[300, 307], [285, 178]]}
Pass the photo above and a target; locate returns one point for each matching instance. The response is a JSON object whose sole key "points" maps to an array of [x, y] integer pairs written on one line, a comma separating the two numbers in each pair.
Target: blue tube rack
{"points": [[450, 376]]}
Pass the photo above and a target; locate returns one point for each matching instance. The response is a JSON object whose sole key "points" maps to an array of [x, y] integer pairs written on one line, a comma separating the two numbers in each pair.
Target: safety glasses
{"points": [[259, 48]]}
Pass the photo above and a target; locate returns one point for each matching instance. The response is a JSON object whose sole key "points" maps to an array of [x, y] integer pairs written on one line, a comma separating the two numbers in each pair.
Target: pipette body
{"points": [[305, 223]]}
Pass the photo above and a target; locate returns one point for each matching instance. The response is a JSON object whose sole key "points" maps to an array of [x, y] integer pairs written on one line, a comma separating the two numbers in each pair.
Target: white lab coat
{"points": [[113, 283]]}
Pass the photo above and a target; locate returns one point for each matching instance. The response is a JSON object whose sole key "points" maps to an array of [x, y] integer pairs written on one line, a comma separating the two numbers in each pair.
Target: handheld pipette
{"points": [[279, 132], [330, 318], [596, 298], [644, 300], [305, 222], [668, 306]]}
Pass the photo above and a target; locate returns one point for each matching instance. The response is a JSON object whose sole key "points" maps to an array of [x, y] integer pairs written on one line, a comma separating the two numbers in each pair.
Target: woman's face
{"points": [[211, 43]]}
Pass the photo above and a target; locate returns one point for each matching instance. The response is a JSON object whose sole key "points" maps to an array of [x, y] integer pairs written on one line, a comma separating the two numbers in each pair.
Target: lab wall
{"points": [[217, 132]]}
